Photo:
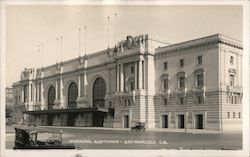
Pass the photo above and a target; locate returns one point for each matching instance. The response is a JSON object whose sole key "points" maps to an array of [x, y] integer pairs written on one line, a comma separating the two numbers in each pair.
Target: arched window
{"points": [[99, 91], [72, 95], [51, 97]]}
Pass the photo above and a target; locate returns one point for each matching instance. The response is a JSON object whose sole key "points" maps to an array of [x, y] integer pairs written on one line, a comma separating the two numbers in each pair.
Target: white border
{"points": [[121, 153]]}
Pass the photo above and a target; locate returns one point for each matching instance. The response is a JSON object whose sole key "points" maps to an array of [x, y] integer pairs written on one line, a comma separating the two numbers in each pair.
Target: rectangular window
{"points": [[125, 102], [233, 114], [239, 115], [199, 80], [128, 102], [231, 80], [235, 99], [182, 82], [199, 99], [165, 84], [228, 114], [199, 60], [181, 100], [132, 86], [232, 60], [181, 62], [132, 69], [232, 100], [165, 65], [165, 101]]}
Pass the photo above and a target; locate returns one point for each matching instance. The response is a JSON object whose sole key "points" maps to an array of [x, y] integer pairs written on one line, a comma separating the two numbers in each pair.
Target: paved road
{"points": [[123, 139]]}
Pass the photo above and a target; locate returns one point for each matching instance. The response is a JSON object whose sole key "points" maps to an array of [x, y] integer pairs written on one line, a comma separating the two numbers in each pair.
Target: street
{"points": [[125, 139]]}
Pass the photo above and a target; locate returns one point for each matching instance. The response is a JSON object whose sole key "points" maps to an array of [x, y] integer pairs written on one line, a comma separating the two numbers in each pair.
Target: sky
{"points": [[30, 25]]}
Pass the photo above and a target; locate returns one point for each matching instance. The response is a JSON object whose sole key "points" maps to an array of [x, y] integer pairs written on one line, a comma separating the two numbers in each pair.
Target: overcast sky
{"points": [[26, 26]]}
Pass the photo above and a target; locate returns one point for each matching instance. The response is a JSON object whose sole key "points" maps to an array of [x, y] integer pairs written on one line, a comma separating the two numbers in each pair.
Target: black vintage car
{"points": [[30, 138], [139, 126]]}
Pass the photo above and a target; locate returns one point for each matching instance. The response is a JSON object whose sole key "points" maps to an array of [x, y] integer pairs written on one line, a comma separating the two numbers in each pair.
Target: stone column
{"points": [[79, 86], [121, 78], [117, 77], [56, 89], [22, 94], [61, 91], [42, 92], [85, 84], [140, 75], [136, 74], [29, 93], [34, 92]]}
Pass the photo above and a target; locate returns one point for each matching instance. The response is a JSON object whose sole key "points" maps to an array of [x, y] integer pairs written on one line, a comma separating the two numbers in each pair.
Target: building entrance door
{"points": [[126, 121], [199, 121], [50, 120], [71, 119], [181, 121], [165, 121]]}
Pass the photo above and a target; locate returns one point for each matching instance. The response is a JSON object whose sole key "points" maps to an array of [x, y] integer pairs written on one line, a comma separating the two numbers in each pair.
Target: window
{"points": [[128, 102], [228, 114], [165, 101], [231, 80], [51, 97], [25, 92], [181, 100], [73, 94], [132, 69], [233, 114], [199, 79], [181, 62], [199, 60], [200, 99], [99, 91], [235, 99], [132, 86], [182, 82], [125, 102], [110, 104], [165, 84], [232, 60], [239, 115], [165, 65]]}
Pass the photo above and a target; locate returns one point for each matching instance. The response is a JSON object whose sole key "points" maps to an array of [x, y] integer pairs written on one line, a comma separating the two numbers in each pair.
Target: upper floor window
{"points": [[165, 65], [231, 80], [132, 69], [228, 114], [199, 60], [165, 84], [199, 80], [132, 86], [165, 101], [182, 82], [233, 114], [181, 62], [231, 60], [181, 100], [239, 115], [200, 99]]}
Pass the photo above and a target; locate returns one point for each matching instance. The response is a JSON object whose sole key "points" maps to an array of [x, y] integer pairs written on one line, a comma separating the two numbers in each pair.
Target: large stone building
{"points": [[195, 84]]}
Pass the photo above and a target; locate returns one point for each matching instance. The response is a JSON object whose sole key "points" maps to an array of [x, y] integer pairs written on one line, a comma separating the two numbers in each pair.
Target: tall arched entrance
{"points": [[72, 96], [51, 99], [99, 91]]}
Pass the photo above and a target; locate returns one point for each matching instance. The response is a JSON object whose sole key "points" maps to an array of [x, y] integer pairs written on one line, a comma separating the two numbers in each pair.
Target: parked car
{"points": [[33, 138], [139, 126]]}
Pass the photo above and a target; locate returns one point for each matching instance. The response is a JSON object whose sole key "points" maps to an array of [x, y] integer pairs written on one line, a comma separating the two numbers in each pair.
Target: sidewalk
{"points": [[191, 131]]}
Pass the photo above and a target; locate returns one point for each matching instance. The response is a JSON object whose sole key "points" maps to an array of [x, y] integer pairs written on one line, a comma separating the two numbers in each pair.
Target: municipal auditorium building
{"points": [[195, 84]]}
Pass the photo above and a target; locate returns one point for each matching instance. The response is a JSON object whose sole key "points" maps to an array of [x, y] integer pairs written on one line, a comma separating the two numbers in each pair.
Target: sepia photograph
{"points": [[93, 78]]}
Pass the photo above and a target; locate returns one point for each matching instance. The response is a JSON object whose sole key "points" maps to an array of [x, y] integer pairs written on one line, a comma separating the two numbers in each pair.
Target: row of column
{"points": [[139, 76]]}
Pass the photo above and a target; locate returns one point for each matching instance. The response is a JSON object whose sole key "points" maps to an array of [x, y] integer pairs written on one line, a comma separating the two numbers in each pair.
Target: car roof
{"points": [[32, 130]]}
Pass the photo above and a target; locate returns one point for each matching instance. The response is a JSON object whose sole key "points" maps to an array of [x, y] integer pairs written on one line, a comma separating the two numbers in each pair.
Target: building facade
{"points": [[195, 84]]}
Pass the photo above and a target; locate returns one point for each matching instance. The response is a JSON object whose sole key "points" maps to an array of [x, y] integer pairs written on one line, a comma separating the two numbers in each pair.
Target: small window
{"points": [[235, 99], [199, 99], [165, 65], [199, 80], [199, 60], [233, 114], [182, 82], [231, 80], [132, 87], [125, 102], [181, 62], [228, 114], [165, 84], [181, 100], [165, 101], [239, 115], [132, 69], [128, 102], [232, 100], [232, 60]]}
